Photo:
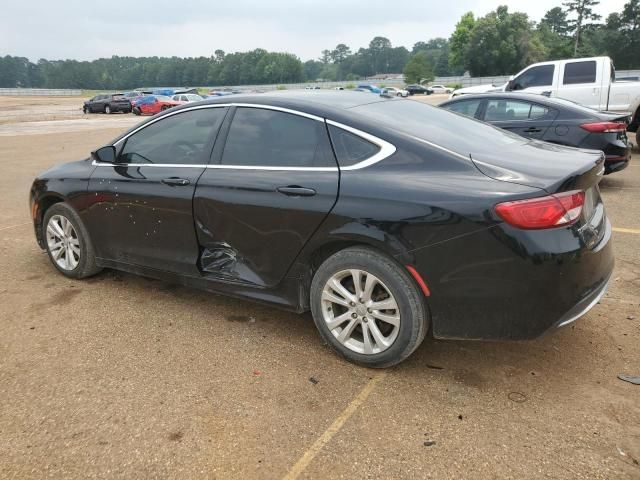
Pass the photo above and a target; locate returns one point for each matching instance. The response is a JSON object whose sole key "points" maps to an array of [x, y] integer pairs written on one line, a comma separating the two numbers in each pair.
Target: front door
{"points": [[275, 181], [142, 209]]}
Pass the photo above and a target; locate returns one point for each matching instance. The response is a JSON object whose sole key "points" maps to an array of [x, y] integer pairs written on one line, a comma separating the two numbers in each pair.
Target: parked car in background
{"points": [[415, 89], [440, 89], [396, 92], [553, 120], [588, 81], [150, 105], [133, 95], [312, 87], [187, 97], [107, 103], [370, 88], [338, 88], [223, 92], [387, 218]]}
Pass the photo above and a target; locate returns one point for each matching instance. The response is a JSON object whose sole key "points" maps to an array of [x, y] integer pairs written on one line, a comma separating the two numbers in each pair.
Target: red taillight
{"points": [[551, 211], [604, 127]]}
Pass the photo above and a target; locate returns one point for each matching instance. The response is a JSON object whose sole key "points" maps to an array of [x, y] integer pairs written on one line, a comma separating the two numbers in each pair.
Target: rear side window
{"points": [[506, 110], [579, 72], [351, 149], [260, 137], [176, 139], [465, 107], [541, 76]]}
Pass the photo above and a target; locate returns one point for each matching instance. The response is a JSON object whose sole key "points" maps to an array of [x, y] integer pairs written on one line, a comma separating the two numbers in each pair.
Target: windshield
{"points": [[192, 97]]}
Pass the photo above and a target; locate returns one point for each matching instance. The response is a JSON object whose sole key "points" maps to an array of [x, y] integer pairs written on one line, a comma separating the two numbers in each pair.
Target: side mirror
{"points": [[510, 85], [105, 154]]}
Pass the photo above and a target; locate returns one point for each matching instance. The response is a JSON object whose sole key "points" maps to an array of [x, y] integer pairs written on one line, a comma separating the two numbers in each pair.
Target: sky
{"points": [[86, 30]]}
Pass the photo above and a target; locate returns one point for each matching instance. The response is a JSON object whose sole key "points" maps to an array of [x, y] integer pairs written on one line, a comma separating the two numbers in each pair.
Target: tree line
{"points": [[498, 43]]}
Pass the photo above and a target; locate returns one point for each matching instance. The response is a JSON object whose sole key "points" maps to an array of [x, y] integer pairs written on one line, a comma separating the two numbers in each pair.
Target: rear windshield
{"points": [[447, 129]]}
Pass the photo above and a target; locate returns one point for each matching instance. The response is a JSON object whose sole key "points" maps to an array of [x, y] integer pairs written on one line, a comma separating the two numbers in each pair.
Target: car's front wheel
{"points": [[68, 243], [368, 308], [107, 109]]}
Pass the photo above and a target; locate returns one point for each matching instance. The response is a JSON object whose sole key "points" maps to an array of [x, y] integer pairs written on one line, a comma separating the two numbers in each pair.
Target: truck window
{"points": [[579, 72], [540, 76]]}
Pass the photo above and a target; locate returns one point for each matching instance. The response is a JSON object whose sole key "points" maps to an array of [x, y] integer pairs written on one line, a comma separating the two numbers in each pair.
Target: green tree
{"points": [[502, 43], [340, 53], [418, 69], [556, 21], [459, 41], [583, 9]]}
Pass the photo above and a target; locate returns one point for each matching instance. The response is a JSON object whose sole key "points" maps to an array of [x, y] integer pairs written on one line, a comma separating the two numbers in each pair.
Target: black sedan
{"points": [[107, 103], [415, 89], [373, 213], [553, 120]]}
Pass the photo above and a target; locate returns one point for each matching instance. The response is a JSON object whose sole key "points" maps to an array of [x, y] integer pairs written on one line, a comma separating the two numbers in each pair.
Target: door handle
{"points": [[174, 181], [296, 191], [532, 130]]}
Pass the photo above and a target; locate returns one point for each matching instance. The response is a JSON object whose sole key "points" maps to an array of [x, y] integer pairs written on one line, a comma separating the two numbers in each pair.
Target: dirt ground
{"points": [[125, 377]]}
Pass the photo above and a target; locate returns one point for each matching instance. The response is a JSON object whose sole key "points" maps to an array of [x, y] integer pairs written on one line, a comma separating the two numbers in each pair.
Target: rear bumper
{"points": [[615, 164], [505, 283]]}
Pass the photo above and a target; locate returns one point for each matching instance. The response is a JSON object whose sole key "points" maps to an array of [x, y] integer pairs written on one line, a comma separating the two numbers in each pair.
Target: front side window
{"points": [[465, 107], [177, 139], [508, 110], [540, 76], [270, 138], [579, 72]]}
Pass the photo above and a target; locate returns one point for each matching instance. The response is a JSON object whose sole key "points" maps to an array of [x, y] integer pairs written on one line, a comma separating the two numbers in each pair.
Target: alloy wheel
{"points": [[63, 243], [360, 311]]}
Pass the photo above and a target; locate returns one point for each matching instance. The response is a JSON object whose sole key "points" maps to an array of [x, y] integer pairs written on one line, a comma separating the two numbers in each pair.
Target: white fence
{"points": [[52, 92]]}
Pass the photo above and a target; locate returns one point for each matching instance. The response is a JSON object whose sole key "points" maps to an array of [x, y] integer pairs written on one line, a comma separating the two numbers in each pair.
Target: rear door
{"points": [[579, 82], [141, 212], [528, 119], [268, 189]]}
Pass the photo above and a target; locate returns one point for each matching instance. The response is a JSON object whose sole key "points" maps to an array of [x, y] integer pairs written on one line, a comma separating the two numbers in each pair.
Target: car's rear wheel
{"points": [[107, 109], [67, 242], [85, 109], [368, 308], [136, 111], [165, 107]]}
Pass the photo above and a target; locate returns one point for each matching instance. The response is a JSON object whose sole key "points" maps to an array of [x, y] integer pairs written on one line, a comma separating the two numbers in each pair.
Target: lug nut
{"points": [[353, 315], [353, 304], [368, 310], [364, 319]]}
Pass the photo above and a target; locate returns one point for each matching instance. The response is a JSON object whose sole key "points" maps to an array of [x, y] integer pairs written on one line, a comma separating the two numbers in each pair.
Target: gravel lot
{"points": [[126, 377]]}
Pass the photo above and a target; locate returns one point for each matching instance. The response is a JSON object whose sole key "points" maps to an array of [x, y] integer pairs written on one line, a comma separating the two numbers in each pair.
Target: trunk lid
{"points": [[553, 168]]}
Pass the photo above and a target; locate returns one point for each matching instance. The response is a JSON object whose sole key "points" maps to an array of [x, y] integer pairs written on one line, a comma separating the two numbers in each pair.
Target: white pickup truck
{"points": [[588, 81]]}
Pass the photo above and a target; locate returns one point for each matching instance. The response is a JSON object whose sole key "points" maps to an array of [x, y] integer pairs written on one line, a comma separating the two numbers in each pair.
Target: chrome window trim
{"points": [[386, 149]]}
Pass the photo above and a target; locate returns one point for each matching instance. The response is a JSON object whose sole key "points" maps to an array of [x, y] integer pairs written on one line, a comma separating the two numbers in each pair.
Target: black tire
{"points": [[136, 111], [638, 138], [414, 317], [107, 109], [86, 266], [85, 110]]}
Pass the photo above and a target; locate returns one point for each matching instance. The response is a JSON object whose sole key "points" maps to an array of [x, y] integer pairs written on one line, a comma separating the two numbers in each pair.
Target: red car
{"points": [[150, 105]]}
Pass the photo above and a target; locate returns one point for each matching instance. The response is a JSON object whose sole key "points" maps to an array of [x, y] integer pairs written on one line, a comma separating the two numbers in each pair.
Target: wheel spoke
{"points": [[75, 249], [356, 275], [340, 289], [345, 334], [369, 284], [391, 319], [336, 322], [57, 253], [66, 227], [67, 258], [330, 297], [75, 242], [55, 229], [386, 304], [368, 346], [377, 335]]}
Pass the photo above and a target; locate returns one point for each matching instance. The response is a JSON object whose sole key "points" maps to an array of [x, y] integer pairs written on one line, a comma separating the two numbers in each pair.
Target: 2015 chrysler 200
{"points": [[386, 218]]}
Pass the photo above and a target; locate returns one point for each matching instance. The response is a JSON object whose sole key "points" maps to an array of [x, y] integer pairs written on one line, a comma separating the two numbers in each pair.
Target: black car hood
{"points": [[553, 168]]}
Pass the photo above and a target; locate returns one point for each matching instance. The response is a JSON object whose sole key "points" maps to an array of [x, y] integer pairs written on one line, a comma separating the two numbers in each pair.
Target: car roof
{"points": [[315, 101]]}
